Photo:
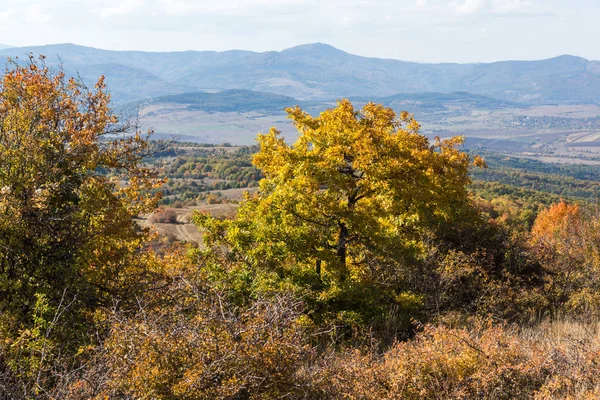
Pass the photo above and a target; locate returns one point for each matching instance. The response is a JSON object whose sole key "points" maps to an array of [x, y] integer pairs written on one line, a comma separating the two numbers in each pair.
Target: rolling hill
{"points": [[321, 72], [234, 100]]}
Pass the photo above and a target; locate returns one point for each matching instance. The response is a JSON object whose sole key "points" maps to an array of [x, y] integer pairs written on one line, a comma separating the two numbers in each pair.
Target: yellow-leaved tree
{"points": [[71, 179], [351, 201]]}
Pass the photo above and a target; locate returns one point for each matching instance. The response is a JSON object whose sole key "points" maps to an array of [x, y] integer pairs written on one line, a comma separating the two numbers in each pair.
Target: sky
{"points": [[412, 30]]}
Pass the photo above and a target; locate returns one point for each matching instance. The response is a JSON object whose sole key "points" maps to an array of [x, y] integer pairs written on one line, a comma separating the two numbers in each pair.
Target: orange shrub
{"points": [[187, 341], [564, 242]]}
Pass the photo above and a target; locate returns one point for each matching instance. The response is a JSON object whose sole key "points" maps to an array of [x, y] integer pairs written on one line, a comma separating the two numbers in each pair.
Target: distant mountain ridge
{"points": [[248, 101], [322, 72]]}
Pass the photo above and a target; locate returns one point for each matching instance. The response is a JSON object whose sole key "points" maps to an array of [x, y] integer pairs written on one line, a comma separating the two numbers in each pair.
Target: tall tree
{"points": [[352, 196], [67, 239]]}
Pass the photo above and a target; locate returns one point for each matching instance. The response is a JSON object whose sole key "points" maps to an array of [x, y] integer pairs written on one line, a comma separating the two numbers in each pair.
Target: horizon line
{"points": [[10, 47]]}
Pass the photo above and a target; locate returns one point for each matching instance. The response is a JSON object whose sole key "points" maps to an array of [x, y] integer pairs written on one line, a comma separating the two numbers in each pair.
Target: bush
{"points": [[187, 341], [164, 215], [489, 362]]}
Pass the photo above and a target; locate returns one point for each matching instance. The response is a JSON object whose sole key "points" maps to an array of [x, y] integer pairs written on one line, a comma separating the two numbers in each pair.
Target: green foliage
{"points": [[555, 184]]}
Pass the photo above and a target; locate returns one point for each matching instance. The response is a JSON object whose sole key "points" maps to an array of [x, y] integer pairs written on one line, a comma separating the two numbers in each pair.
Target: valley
{"points": [[551, 133]]}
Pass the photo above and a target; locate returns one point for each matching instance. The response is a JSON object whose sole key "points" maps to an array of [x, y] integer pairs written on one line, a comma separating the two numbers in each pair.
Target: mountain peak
{"points": [[569, 57], [317, 48]]}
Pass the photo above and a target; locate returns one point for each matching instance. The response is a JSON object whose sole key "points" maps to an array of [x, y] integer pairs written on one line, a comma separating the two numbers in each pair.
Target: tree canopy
{"points": [[67, 239], [352, 198]]}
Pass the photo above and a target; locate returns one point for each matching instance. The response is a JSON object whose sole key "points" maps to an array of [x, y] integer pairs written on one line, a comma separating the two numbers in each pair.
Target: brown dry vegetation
{"points": [[556, 360], [163, 215], [187, 340]]}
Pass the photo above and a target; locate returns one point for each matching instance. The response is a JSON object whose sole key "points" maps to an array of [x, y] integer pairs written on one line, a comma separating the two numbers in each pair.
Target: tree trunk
{"points": [[342, 244]]}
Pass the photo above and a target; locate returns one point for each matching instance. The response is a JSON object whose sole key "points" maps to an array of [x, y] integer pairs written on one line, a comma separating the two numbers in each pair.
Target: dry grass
{"points": [[557, 360], [182, 229]]}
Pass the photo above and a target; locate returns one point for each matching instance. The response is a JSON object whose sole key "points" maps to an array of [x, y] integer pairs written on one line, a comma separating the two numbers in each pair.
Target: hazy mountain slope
{"points": [[125, 83], [168, 66], [227, 101], [564, 79], [319, 71]]}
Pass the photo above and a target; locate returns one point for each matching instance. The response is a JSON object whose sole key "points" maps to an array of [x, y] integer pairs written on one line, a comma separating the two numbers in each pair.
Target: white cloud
{"points": [[471, 6], [182, 7], [510, 6], [178, 7], [7, 14], [492, 6], [36, 14], [121, 8]]}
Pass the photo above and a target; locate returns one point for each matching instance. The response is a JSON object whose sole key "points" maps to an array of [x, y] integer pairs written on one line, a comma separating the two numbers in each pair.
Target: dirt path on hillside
{"points": [[183, 233]]}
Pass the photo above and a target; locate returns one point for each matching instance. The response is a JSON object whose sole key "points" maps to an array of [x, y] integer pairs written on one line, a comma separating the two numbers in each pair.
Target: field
{"points": [[174, 120], [186, 231]]}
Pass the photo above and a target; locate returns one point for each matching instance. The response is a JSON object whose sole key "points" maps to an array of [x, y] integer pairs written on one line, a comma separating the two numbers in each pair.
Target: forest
{"points": [[368, 262]]}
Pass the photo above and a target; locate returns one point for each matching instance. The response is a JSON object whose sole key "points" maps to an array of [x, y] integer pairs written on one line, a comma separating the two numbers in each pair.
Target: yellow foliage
{"points": [[354, 193], [69, 245]]}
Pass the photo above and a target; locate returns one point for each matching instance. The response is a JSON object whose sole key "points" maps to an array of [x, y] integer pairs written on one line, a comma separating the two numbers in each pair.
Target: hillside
{"points": [[435, 102], [319, 71], [228, 101], [242, 101]]}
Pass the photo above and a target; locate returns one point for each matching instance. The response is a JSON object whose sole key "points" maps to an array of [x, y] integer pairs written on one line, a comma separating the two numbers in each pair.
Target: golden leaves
{"points": [[366, 171], [66, 227]]}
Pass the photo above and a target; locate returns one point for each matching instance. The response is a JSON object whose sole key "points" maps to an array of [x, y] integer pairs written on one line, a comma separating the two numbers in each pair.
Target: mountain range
{"points": [[321, 72]]}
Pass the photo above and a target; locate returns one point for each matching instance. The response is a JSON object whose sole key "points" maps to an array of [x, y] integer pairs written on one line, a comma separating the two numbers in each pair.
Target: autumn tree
{"points": [[351, 200], [564, 240], [71, 178], [354, 183]]}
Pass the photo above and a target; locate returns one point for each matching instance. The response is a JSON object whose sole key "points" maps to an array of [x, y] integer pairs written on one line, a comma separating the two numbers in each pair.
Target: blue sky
{"points": [[415, 30]]}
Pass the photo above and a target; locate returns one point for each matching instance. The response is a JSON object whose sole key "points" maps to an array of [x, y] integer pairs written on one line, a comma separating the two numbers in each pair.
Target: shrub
{"points": [[164, 215], [556, 360]]}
